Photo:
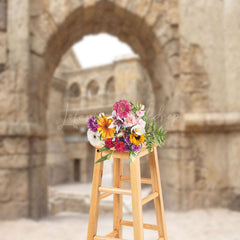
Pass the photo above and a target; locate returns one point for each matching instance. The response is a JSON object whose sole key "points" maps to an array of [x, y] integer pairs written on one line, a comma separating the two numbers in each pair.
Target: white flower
{"points": [[94, 138], [101, 115], [138, 129]]}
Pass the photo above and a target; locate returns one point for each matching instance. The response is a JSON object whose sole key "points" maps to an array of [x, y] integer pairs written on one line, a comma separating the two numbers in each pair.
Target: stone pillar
{"points": [[232, 75], [23, 188]]}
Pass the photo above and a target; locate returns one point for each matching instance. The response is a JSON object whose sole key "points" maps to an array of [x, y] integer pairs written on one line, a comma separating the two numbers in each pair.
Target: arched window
{"points": [[110, 86], [74, 90], [92, 88]]}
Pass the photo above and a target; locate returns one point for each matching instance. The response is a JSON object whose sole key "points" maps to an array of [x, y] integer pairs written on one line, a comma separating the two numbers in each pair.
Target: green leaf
{"points": [[106, 157], [155, 127], [132, 156], [104, 148]]}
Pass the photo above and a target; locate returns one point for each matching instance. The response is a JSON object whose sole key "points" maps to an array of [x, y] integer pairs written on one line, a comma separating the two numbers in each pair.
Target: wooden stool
{"points": [[99, 192]]}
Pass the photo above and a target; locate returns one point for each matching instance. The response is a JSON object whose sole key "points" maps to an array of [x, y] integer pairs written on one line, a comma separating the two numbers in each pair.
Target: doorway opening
{"points": [[77, 170]]}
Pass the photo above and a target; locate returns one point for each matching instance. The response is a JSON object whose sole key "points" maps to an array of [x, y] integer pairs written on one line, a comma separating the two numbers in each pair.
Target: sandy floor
{"points": [[212, 224]]}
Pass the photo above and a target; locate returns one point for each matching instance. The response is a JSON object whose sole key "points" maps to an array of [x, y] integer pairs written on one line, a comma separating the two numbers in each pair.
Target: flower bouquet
{"points": [[126, 130]]}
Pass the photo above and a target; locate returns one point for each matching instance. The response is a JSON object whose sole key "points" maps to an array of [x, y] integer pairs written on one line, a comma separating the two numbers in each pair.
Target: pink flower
{"points": [[140, 113], [122, 108], [141, 122], [130, 120]]}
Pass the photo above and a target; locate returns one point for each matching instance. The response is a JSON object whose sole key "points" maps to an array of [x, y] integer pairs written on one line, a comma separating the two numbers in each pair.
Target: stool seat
{"points": [[99, 192]]}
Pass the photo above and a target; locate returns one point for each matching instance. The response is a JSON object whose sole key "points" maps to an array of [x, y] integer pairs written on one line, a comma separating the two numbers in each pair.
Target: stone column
{"points": [[23, 188]]}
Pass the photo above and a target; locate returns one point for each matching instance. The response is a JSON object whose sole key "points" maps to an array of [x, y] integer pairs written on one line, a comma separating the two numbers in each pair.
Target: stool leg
{"points": [[94, 206], [136, 199], [117, 198], [158, 202]]}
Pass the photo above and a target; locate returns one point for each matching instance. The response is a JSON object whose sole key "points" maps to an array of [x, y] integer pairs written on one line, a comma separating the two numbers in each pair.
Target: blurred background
{"points": [[62, 61]]}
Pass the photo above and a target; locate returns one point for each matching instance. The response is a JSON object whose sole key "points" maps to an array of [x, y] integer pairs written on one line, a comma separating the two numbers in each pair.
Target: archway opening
{"points": [[77, 169], [129, 27], [94, 90]]}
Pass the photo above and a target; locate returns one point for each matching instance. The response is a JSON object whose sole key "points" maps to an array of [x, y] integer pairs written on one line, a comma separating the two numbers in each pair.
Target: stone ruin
{"points": [[190, 51]]}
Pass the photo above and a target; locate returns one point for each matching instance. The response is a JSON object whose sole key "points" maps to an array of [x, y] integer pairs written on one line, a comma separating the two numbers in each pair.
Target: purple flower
{"points": [[92, 124], [126, 148], [127, 140], [136, 148]]}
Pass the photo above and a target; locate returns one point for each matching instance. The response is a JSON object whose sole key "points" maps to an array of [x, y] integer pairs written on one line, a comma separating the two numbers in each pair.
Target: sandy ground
{"points": [[212, 224]]}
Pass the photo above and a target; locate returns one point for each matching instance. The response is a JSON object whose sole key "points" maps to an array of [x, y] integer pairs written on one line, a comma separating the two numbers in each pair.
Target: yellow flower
{"points": [[137, 139], [103, 129]]}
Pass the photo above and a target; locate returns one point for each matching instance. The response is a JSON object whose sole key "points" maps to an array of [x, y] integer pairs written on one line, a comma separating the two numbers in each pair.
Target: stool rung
{"points": [[107, 238], [115, 190], [112, 234], [104, 195], [146, 226], [149, 198], [143, 180]]}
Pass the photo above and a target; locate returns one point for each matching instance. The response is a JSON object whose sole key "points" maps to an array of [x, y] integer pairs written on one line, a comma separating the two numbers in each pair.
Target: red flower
{"points": [[120, 147], [109, 143]]}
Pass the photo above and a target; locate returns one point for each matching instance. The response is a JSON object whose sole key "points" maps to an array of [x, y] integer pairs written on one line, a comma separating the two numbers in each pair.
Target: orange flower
{"points": [[104, 130]]}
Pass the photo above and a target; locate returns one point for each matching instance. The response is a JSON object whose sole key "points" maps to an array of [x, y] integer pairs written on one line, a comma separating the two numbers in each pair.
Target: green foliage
{"points": [[106, 157], [132, 156], [153, 133], [135, 108], [104, 148]]}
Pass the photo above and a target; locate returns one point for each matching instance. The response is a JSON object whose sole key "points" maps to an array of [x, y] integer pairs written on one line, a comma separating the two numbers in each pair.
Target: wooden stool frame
{"points": [[99, 192]]}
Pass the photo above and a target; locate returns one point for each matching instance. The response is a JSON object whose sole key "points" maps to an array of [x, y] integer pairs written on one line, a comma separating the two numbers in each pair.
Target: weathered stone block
{"points": [[172, 48], [194, 82], [4, 186], [38, 192], [19, 185], [41, 27], [14, 161], [233, 141], [174, 65], [177, 140], [170, 174], [13, 210], [164, 31], [57, 206], [192, 59], [171, 198], [58, 9], [36, 7], [3, 14], [16, 145], [139, 8], [38, 145], [187, 172], [154, 12], [173, 14], [3, 47], [7, 97]]}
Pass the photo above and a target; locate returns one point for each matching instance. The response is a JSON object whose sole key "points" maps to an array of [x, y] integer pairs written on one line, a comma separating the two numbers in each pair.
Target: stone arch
{"points": [[110, 85], [151, 37], [74, 90], [144, 25], [92, 88]]}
